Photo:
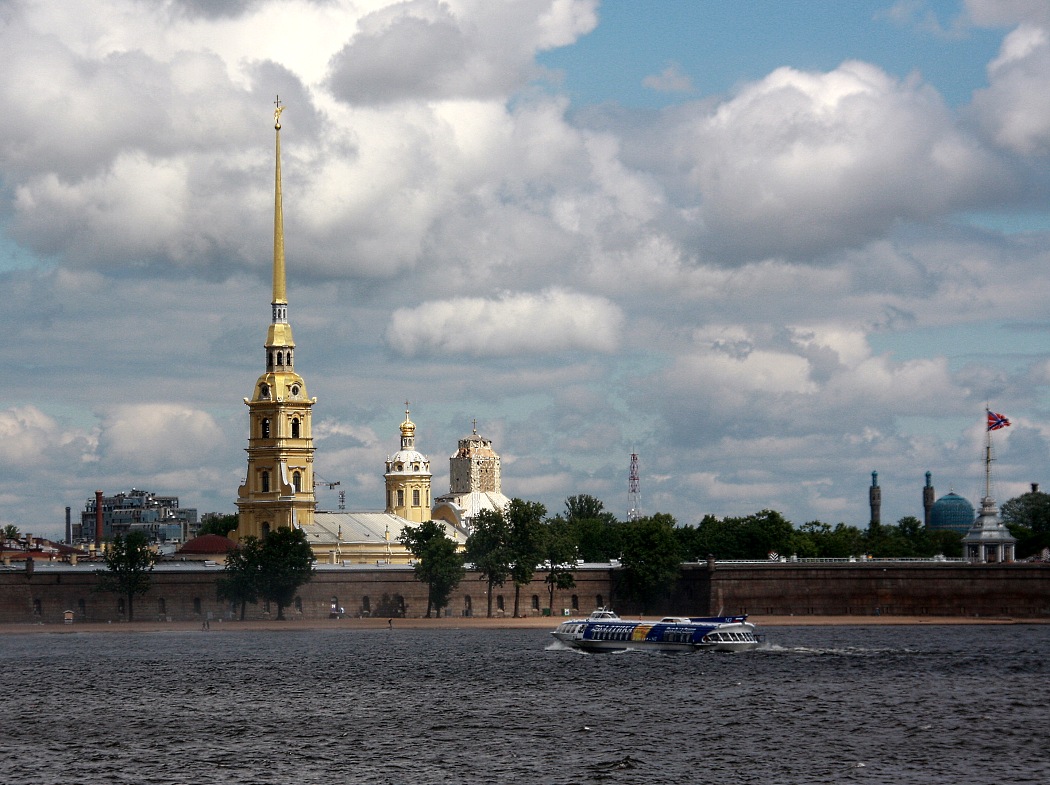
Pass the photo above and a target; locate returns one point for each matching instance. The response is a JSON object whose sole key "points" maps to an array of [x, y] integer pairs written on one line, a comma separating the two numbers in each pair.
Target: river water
{"points": [[886, 704]]}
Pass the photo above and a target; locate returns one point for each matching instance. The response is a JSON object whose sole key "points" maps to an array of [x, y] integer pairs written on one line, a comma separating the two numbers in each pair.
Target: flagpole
{"points": [[987, 454]]}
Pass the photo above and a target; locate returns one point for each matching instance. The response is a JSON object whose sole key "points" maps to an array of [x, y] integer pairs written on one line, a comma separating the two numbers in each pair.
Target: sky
{"points": [[769, 247]]}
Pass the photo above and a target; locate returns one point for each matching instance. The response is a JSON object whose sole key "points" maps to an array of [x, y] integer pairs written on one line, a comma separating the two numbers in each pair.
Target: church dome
{"points": [[952, 513]]}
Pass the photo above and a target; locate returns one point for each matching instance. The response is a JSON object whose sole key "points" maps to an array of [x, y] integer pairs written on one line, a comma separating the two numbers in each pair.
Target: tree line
{"points": [[515, 544]]}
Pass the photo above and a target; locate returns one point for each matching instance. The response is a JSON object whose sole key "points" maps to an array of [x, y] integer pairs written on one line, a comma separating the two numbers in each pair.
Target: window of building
{"points": [[280, 359], [575, 602], [295, 420], [197, 605], [162, 607], [264, 391], [366, 606], [297, 482], [120, 606], [265, 529], [535, 602], [38, 608], [415, 497], [499, 602], [264, 481], [599, 601], [269, 359], [400, 497], [264, 428], [82, 607], [468, 609]]}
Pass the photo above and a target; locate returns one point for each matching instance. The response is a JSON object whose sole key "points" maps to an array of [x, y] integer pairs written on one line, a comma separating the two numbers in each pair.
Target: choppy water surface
{"points": [[922, 704]]}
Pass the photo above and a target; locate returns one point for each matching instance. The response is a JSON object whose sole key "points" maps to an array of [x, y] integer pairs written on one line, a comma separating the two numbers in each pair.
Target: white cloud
{"points": [[550, 322], [801, 163], [432, 50], [671, 80], [148, 436], [1015, 108]]}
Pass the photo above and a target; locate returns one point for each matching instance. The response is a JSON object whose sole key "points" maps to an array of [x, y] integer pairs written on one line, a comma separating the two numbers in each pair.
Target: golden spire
{"points": [[279, 292]]}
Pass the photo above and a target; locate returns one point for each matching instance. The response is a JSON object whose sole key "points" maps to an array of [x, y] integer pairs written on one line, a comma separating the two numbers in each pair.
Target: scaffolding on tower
{"points": [[634, 507]]}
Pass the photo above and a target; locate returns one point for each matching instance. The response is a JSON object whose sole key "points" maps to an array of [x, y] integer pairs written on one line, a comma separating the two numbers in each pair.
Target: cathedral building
{"points": [[278, 489], [373, 537]]}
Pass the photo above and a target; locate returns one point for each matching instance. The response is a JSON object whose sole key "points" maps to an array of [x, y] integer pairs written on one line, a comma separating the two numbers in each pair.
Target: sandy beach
{"points": [[475, 622]]}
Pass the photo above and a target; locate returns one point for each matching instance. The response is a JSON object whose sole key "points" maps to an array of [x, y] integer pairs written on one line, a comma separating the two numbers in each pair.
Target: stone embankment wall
{"points": [[891, 589]]}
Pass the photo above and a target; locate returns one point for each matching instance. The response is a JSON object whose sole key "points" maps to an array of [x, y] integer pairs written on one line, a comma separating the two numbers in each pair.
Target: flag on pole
{"points": [[997, 421]]}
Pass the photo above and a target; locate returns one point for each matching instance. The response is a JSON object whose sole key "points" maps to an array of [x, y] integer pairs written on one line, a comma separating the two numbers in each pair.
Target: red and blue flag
{"points": [[996, 421]]}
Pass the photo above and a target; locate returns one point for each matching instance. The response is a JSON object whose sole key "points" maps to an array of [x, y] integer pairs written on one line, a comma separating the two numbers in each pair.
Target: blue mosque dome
{"points": [[952, 513]]}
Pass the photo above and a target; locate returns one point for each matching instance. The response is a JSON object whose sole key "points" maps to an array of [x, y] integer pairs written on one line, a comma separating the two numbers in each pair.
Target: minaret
{"points": [[875, 500], [408, 477], [278, 490], [927, 499]]}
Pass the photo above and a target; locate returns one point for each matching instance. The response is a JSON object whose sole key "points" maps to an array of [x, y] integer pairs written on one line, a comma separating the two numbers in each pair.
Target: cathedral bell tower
{"points": [[278, 491]]}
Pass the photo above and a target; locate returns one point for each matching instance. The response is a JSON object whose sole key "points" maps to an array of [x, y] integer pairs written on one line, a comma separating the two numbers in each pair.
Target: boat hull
{"points": [[604, 632]]}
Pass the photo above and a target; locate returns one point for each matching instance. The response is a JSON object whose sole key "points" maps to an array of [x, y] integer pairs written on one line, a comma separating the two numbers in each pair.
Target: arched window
{"points": [[264, 391], [269, 360], [264, 481], [280, 359], [297, 482], [264, 427], [295, 425]]}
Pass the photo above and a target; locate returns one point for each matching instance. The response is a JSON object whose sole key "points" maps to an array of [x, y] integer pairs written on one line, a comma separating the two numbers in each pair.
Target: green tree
{"points": [[129, 562], [218, 524], [1028, 518], [651, 560], [241, 576], [11, 533], [438, 564], [597, 532], [488, 549], [286, 563], [826, 542], [526, 533], [559, 557]]}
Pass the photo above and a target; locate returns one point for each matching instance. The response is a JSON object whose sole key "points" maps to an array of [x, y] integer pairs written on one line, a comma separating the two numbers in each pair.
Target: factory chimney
{"points": [[98, 520]]}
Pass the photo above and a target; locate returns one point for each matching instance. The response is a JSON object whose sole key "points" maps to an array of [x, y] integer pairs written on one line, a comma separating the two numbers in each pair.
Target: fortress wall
{"points": [[903, 589], [190, 595], [915, 589]]}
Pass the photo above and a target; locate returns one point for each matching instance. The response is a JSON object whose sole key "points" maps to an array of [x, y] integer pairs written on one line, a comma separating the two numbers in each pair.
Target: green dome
{"points": [[952, 513]]}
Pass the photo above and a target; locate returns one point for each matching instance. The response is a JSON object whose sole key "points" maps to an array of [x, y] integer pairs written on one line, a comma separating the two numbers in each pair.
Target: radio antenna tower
{"points": [[633, 494]]}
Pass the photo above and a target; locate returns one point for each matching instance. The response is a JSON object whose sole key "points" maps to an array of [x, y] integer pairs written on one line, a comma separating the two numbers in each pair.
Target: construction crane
{"points": [[323, 481]]}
